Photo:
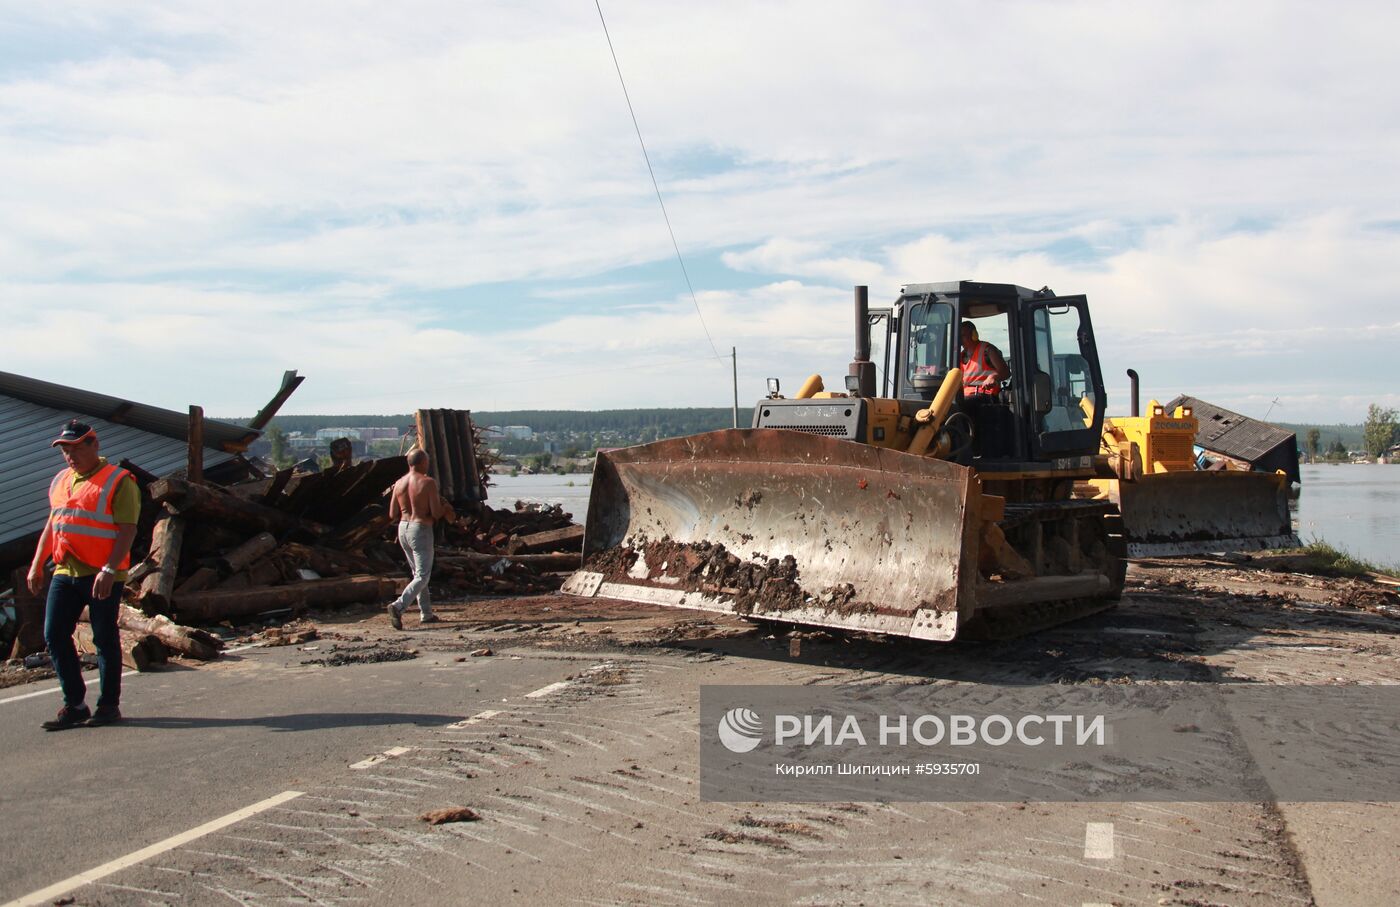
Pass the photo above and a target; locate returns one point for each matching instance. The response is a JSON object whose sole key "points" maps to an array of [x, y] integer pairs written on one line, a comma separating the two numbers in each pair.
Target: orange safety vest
{"points": [[978, 376], [82, 520]]}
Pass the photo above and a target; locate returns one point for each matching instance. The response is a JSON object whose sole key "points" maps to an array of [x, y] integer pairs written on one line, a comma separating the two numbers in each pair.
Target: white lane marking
{"points": [[46, 895], [477, 718], [382, 757], [49, 690], [545, 691], [1098, 841]]}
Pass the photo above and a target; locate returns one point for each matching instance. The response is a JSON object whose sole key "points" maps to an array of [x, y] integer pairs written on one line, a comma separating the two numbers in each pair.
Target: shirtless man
{"points": [[417, 505]]}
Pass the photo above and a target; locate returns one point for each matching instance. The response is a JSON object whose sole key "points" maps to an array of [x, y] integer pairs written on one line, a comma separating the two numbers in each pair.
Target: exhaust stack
{"points": [[1133, 390], [862, 369]]}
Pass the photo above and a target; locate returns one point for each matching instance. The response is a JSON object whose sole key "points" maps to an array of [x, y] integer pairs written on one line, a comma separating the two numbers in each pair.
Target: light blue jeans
{"points": [[416, 540]]}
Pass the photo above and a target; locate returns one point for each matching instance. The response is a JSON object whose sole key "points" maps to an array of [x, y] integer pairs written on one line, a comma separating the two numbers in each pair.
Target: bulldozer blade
{"points": [[1181, 513], [786, 526]]}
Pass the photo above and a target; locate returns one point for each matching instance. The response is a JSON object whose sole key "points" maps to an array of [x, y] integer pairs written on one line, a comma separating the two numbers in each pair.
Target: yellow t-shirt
{"points": [[126, 508]]}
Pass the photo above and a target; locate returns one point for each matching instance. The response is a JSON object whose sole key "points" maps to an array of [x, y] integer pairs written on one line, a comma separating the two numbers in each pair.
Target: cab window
{"points": [[932, 335], [1057, 339]]}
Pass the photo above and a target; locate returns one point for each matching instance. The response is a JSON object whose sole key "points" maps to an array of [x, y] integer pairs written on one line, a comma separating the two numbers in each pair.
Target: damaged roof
{"points": [[1254, 441], [33, 411]]}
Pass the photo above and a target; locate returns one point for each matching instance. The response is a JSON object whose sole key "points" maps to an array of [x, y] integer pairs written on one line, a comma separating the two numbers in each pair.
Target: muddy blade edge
{"points": [[781, 525], [1183, 513]]}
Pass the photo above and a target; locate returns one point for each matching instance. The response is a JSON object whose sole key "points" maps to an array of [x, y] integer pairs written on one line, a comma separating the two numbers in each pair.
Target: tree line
{"points": [[1379, 433]]}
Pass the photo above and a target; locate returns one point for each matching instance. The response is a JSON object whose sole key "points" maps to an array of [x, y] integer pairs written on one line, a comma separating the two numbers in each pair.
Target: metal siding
{"points": [[91, 406], [28, 463]]}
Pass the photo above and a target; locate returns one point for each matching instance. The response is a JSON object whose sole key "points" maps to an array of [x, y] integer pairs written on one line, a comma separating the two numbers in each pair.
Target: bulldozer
{"points": [[894, 506], [1169, 506]]}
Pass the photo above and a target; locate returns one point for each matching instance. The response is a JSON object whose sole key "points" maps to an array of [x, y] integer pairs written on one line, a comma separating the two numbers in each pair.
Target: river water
{"points": [[1353, 507]]}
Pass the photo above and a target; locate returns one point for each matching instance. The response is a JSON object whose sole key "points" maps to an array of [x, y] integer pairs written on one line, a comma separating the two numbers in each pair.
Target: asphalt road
{"points": [[200, 743], [581, 763]]}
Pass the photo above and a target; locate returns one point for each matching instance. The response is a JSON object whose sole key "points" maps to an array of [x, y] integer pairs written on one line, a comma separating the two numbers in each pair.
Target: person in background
{"points": [[93, 509], [417, 504]]}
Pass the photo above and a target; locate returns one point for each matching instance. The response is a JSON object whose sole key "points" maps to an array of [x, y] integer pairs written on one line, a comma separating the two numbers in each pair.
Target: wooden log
{"points": [[278, 485], [364, 528], [239, 580], [290, 382], [211, 607], [156, 650], [133, 646], [142, 477], [188, 641], [158, 588], [198, 581], [29, 612], [248, 552], [205, 538], [139, 572], [325, 561], [263, 572], [563, 561], [217, 505], [570, 538], [195, 470]]}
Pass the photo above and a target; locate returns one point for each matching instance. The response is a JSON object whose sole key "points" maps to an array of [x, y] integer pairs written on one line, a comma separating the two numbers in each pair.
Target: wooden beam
{"points": [[195, 471], [227, 509], [158, 587], [248, 552], [217, 606], [189, 641], [290, 382], [569, 538]]}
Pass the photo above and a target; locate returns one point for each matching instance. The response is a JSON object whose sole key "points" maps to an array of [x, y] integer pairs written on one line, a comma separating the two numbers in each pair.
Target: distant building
{"points": [[519, 432], [330, 434]]}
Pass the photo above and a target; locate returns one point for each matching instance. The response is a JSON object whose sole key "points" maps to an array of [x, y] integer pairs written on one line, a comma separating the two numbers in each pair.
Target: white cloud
{"points": [[176, 167]]}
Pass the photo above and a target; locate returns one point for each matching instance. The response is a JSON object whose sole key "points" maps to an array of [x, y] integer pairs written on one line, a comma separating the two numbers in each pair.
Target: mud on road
{"points": [[1200, 619]]}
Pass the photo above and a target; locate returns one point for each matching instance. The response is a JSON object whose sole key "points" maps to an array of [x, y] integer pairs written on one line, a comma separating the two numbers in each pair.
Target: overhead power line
{"points": [[654, 184]]}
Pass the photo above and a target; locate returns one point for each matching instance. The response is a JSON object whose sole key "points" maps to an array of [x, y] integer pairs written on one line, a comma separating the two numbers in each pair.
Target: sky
{"points": [[445, 204]]}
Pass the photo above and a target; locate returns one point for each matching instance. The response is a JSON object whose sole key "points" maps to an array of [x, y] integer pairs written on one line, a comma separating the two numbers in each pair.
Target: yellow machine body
{"points": [[1169, 507]]}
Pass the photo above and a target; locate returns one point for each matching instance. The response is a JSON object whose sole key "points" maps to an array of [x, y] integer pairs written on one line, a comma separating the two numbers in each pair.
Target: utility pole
{"points": [[734, 359]]}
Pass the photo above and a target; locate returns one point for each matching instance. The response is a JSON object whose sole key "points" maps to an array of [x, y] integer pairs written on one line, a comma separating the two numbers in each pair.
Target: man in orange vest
{"points": [[983, 368], [93, 509]]}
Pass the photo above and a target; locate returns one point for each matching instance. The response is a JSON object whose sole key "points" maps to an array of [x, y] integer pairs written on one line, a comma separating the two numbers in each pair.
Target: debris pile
{"points": [[267, 548]]}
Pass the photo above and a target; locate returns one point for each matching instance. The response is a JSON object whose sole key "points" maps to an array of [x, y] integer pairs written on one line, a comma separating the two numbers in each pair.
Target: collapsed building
{"points": [[224, 538]]}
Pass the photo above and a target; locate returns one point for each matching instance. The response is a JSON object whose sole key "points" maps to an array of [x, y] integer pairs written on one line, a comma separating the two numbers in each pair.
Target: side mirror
{"points": [[1042, 400]]}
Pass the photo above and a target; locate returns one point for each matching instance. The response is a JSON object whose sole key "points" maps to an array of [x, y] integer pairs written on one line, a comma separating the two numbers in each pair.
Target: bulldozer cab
{"points": [[1051, 406]]}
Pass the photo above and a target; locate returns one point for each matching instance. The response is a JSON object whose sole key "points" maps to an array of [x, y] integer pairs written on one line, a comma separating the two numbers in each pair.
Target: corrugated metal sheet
{"points": [[1234, 435], [90, 405], [28, 463]]}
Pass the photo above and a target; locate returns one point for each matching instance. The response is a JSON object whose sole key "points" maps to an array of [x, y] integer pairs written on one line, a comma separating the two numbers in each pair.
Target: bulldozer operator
{"points": [[983, 367]]}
